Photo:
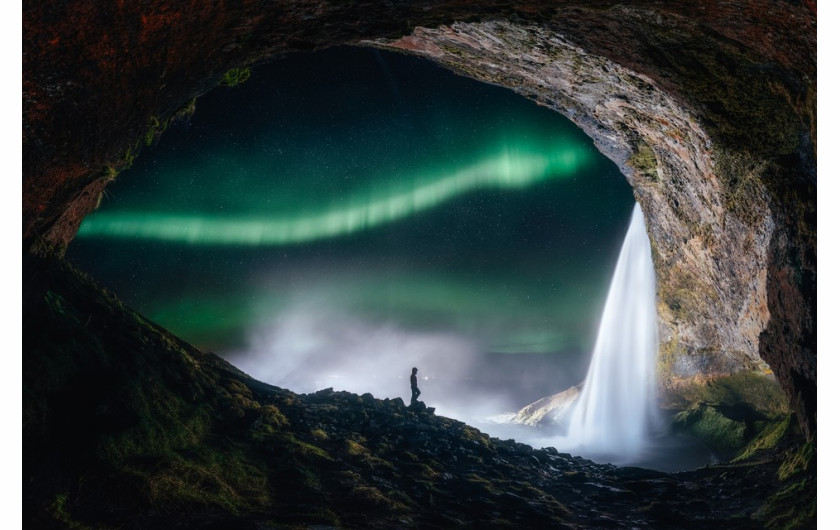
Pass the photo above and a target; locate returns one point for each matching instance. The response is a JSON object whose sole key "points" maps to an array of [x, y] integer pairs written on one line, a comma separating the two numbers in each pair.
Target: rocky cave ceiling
{"points": [[708, 108]]}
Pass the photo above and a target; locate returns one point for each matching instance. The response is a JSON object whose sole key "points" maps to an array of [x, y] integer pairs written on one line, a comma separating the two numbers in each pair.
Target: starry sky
{"points": [[355, 193]]}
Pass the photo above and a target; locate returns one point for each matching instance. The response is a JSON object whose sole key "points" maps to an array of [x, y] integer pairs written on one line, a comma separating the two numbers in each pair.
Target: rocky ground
{"points": [[126, 426]]}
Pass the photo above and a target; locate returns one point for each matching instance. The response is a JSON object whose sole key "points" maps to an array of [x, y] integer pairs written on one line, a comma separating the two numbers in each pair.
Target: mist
{"points": [[313, 345]]}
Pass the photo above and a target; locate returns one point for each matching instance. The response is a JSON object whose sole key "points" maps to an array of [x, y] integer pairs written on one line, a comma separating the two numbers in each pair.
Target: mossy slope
{"points": [[126, 426], [734, 415]]}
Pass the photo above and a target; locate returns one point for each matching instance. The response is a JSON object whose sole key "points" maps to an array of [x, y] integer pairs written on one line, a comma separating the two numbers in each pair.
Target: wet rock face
{"points": [[708, 108]]}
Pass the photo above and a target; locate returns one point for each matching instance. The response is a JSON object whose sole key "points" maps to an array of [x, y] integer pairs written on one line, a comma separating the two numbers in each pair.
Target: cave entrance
{"points": [[479, 244]]}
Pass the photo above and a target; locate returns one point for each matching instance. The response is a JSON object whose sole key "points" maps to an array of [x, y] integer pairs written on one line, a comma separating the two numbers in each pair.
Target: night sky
{"points": [[355, 201]]}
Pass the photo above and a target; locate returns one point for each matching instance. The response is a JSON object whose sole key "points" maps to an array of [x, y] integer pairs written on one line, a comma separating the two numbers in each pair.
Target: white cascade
{"points": [[615, 413]]}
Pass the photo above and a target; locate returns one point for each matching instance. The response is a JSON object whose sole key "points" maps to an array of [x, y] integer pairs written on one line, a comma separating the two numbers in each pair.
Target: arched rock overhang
{"points": [[708, 108]]}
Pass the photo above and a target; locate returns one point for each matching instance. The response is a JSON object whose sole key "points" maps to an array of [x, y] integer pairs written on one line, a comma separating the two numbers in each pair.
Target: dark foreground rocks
{"points": [[126, 426]]}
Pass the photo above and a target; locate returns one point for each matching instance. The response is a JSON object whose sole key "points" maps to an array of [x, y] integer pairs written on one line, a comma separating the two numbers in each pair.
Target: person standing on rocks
{"points": [[414, 390]]}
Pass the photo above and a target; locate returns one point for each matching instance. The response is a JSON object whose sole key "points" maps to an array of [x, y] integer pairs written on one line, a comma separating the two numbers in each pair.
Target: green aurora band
{"points": [[515, 167]]}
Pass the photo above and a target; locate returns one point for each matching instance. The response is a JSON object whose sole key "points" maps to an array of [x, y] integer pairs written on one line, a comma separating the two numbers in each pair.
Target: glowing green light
{"points": [[511, 169]]}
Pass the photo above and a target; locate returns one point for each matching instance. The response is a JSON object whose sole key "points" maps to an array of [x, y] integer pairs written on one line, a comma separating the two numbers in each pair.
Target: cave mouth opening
{"points": [[491, 280]]}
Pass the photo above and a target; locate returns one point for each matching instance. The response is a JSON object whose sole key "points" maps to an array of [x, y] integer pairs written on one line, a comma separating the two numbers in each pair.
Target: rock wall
{"points": [[707, 107]]}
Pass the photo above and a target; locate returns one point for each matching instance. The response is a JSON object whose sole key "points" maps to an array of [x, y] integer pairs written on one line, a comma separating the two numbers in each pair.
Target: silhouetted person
{"points": [[414, 390]]}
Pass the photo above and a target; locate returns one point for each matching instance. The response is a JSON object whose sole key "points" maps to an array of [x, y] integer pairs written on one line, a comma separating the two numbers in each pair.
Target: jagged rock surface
{"points": [[548, 411]]}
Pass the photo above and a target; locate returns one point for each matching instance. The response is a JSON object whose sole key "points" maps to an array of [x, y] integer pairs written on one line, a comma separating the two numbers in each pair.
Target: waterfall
{"points": [[615, 412]]}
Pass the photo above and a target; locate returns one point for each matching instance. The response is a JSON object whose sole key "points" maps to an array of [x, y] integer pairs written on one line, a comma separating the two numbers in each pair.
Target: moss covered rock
{"points": [[736, 415]]}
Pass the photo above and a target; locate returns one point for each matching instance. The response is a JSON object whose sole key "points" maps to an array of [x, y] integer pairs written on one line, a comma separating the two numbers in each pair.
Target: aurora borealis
{"points": [[355, 204], [508, 170]]}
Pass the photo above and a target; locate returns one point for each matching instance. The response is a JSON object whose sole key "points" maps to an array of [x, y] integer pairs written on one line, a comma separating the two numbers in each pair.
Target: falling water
{"points": [[616, 409]]}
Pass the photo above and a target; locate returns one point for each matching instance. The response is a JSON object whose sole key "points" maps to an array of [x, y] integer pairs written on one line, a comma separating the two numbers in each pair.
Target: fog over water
{"points": [[348, 214]]}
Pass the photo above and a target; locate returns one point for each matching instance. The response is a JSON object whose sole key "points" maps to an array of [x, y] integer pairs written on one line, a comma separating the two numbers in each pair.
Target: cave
{"points": [[707, 108]]}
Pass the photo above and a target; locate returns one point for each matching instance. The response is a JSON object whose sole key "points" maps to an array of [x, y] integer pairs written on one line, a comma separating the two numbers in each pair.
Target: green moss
{"points": [[681, 302], [794, 507], [755, 390], [706, 233], [719, 433], [687, 299], [742, 414], [306, 477], [453, 50], [207, 478], [364, 456], [128, 158], [482, 483], [154, 128], [164, 424], [795, 504], [306, 451], [185, 112], [269, 422], [168, 455], [371, 496], [374, 497], [742, 186], [767, 439], [60, 513], [153, 131], [475, 436], [235, 76], [356, 449], [319, 434], [668, 355], [111, 171], [800, 461], [643, 160], [422, 471]]}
